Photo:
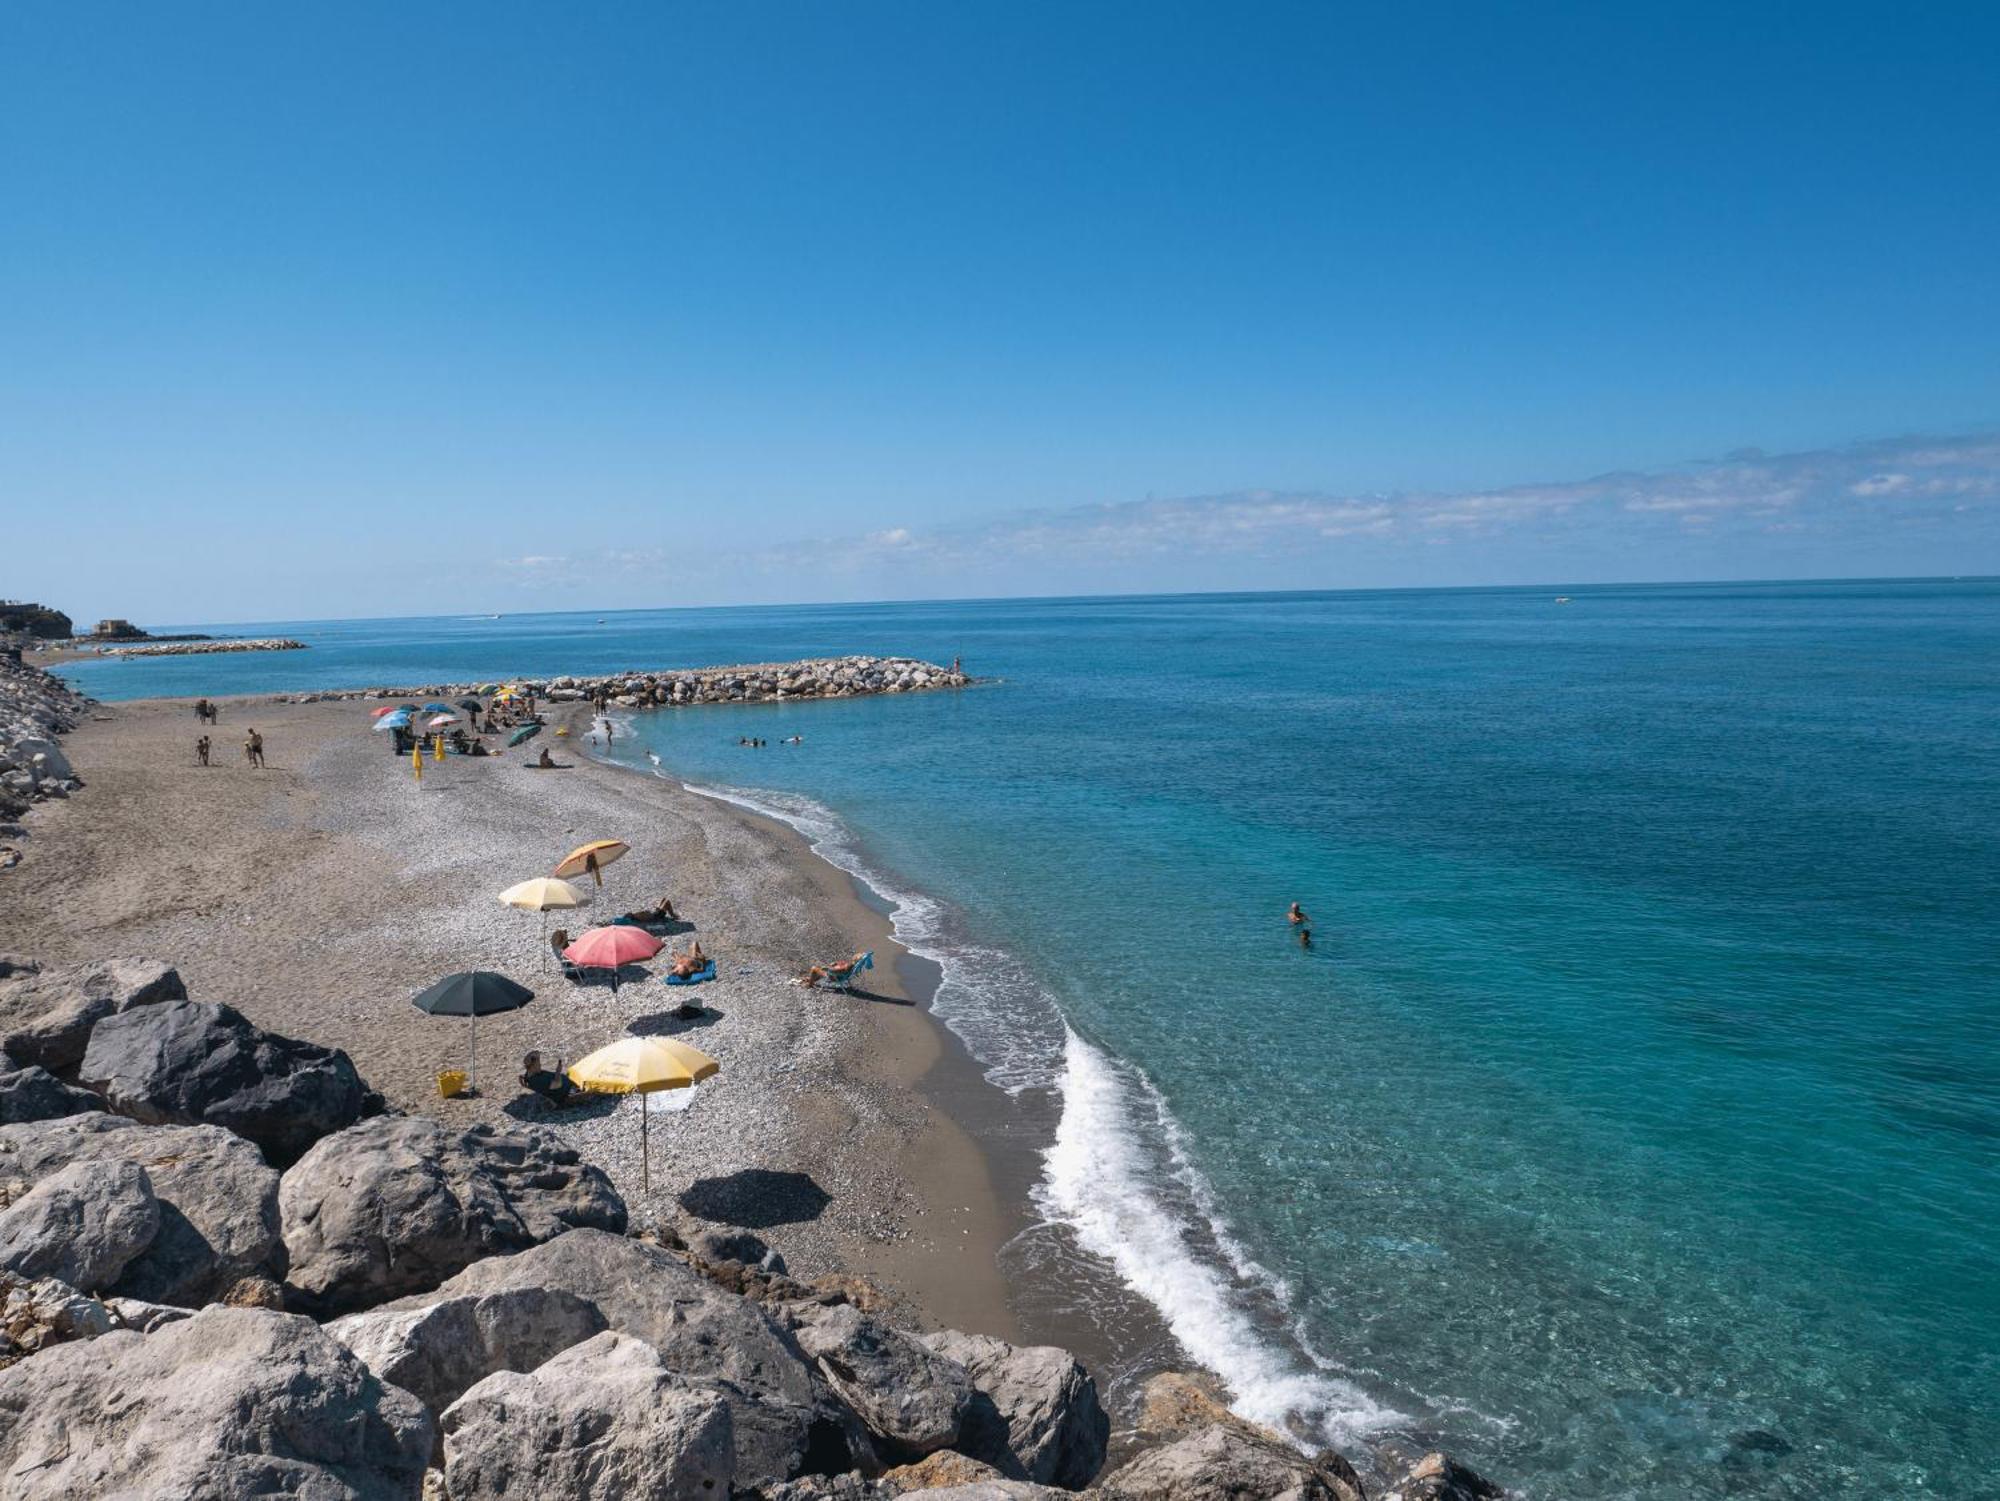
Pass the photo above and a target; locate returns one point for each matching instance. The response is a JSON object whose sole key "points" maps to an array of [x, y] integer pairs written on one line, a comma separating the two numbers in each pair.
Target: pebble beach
{"points": [[319, 894]]}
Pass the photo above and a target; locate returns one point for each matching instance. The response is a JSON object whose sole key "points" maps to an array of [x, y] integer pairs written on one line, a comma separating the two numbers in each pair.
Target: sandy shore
{"points": [[319, 894]]}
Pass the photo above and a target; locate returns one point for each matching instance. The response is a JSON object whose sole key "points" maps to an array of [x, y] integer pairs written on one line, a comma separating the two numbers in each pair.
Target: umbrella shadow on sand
{"points": [[673, 1023], [533, 1108], [756, 1199], [859, 994]]}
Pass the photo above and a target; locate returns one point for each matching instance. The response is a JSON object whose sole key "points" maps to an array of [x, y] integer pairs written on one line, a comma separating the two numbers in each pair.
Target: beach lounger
{"points": [[842, 980], [706, 972]]}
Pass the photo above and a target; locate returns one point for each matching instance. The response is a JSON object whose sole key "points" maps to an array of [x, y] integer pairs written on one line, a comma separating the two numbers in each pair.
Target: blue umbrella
{"points": [[435, 708], [397, 721]]}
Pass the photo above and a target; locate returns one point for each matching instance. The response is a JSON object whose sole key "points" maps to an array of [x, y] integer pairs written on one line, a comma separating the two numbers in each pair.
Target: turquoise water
{"points": [[1633, 1125]]}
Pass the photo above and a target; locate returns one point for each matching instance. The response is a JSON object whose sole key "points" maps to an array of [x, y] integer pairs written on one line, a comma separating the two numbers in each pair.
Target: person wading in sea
{"points": [[1301, 925]]}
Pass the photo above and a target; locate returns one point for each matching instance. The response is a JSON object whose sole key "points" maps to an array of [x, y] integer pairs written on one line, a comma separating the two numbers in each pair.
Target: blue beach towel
{"points": [[706, 972]]}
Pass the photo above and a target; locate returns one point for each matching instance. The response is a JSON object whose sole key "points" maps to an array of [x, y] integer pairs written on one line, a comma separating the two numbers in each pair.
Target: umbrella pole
{"points": [[472, 1054], [645, 1150]]}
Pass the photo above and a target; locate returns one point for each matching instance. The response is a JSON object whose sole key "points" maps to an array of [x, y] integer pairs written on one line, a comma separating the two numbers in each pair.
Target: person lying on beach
{"points": [[556, 1088], [663, 912], [693, 962], [819, 973]]}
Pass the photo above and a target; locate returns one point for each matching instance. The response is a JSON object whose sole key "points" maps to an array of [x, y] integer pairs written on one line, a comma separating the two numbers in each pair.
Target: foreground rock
{"points": [[1437, 1477], [187, 1062], [34, 709], [229, 1403], [607, 1418], [911, 1398], [35, 1094], [785, 1421], [442, 1350], [1230, 1462], [218, 1199], [46, 1015], [82, 1225], [397, 1204], [1035, 1414]]}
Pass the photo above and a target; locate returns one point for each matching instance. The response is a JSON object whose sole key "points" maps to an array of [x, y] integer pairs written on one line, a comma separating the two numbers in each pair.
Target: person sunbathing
{"points": [[663, 912], [692, 963], [813, 978], [557, 1089]]}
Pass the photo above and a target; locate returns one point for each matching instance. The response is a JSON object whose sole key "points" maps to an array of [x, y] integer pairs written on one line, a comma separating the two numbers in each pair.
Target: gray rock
{"points": [[218, 1199], [442, 1350], [397, 1204], [1229, 1462], [728, 1245], [910, 1397], [186, 1062], [34, 1094], [142, 1317], [995, 1490], [36, 1314], [46, 1016], [606, 1418], [1035, 1414], [81, 1225], [786, 1422], [231, 1403], [1439, 1477]]}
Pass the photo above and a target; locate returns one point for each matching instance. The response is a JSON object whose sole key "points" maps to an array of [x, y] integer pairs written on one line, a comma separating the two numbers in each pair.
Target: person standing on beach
{"points": [[201, 751], [253, 749]]}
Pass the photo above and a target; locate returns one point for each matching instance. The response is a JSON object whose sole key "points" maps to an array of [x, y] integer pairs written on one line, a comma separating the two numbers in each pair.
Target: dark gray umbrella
{"points": [[470, 705], [473, 993]]}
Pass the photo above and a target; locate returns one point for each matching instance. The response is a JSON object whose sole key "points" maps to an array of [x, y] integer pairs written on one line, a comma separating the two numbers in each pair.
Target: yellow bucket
{"points": [[451, 1083]]}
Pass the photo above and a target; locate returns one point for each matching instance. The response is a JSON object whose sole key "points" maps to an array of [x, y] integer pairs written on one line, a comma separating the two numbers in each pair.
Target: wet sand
{"points": [[319, 894]]}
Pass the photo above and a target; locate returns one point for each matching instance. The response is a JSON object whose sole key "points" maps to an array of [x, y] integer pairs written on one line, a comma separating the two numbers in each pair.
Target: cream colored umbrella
{"points": [[641, 1065], [544, 894]]}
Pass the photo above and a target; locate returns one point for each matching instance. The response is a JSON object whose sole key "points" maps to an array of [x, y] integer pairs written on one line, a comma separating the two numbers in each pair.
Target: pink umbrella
{"points": [[441, 720], [607, 948], [385, 709]]}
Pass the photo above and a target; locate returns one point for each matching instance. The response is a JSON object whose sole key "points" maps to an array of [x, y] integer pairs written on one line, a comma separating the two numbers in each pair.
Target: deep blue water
{"points": [[1633, 1123]]}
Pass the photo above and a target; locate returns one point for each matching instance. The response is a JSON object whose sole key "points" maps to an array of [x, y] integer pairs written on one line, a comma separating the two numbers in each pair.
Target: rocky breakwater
{"points": [[818, 677], [306, 1294], [202, 648], [34, 709]]}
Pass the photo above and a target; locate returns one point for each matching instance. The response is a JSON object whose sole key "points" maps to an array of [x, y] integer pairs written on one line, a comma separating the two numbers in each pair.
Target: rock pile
{"points": [[160, 1282], [34, 709], [821, 677], [203, 647]]}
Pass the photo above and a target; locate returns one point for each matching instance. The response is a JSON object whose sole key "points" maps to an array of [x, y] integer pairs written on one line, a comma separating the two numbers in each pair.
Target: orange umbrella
{"points": [[592, 857], [607, 948]]}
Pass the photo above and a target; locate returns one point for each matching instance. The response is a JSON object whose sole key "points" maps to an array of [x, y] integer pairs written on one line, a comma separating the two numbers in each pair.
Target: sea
{"points": [[1630, 1127]]}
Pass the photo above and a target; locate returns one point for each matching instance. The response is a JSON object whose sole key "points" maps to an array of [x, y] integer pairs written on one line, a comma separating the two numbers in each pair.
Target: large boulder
{"points": [[218, 1198], [606, 1418], [910, 1397], [231, 1403], [1230, 1462], [82, 1225], [786, 1422], [32, 1093], [46, 1015], [442, 1350], [1439, 1477], [187, 1062], [35, 1313], [397, 1204], [1035, 1414]]}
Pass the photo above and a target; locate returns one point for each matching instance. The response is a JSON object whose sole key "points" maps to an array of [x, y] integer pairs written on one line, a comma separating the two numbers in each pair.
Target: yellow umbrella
{"points": [[642, 1065], [544, 894], [592, 857]]}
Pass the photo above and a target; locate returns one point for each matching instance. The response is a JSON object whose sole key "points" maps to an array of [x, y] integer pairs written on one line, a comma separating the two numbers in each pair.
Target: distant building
{"points": [[117, 630]]}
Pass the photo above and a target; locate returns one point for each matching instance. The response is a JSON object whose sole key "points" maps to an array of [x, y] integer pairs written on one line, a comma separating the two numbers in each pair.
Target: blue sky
{"points": [[359, 309]]}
